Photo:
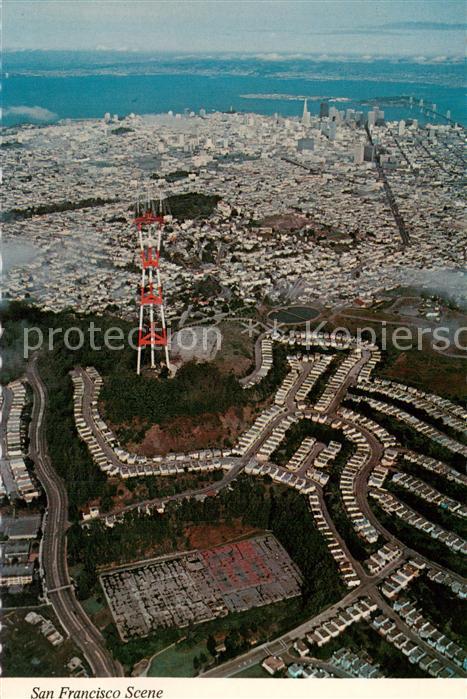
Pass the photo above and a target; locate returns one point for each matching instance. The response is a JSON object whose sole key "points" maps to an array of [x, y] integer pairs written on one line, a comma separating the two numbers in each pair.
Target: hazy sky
{"points": [[417, 27]]}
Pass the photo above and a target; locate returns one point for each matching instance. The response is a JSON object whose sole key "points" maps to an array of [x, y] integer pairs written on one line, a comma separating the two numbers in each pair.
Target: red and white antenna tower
{"points": [[149, 223]]}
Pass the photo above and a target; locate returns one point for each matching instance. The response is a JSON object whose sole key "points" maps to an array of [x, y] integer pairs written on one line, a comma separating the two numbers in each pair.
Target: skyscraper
{"points": [[306, 114], [359, 153], [323, 110], [368, 153]]}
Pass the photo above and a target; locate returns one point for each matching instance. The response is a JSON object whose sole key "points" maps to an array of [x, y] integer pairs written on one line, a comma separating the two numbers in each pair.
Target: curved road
{"points": [[59, 588]]}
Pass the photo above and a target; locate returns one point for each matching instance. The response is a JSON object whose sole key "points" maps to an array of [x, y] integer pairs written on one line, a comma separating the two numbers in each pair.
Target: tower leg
{"points": [[138, 362], [151, 321], [167, 357], [140, 332]]}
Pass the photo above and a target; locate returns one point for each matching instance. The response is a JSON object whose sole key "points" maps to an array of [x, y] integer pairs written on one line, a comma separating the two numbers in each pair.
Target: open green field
{"points": [[254, 672], [176, 661], [92, 605]]}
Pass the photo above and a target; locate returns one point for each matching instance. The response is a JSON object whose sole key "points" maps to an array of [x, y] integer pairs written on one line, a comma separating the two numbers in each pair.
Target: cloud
{"points": [[426, 26], [36, 113], [276, 56]]}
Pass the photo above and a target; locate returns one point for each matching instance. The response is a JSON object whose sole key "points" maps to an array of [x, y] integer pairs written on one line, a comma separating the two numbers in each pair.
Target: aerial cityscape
{"points": [[234, 407]]}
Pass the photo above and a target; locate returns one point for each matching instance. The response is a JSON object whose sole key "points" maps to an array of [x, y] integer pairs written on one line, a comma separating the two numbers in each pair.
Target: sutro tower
{"points": [[149, 221]]}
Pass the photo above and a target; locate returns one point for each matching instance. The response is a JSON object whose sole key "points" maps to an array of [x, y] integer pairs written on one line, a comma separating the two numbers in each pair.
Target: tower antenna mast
{"points": [[149, 222]]}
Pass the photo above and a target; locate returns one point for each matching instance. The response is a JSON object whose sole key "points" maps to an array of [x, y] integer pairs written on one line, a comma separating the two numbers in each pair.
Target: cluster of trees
{"points": [[192, 205], [425, 368], [11, 144], [332, 493], [14, 320], [298, 432], [256, 503], [318, 388], [260, 623], [121, 130], [174, 176], [269, 383], [136, 649], [69, 455], [28, 597], [324, 433], [292, 524], [207, 287], [99, 545], [199, 661], [195, 389], [161, 486], [41, 209]]}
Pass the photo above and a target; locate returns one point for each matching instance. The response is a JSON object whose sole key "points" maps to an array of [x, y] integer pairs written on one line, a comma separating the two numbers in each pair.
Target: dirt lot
{"points": [[236, 355], [285, 222], [200, 432], [207, 535]]}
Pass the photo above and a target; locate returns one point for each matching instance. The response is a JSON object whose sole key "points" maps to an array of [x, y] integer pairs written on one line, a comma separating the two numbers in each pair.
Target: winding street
{"points": [[57, 584]]}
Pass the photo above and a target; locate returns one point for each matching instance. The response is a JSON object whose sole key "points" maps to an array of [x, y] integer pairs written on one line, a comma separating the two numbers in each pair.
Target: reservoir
{"points": [[294, 314]]}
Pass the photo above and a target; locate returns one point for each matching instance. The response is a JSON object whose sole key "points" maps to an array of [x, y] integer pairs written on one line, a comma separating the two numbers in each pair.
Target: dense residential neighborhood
{"points": [[291, 223]]}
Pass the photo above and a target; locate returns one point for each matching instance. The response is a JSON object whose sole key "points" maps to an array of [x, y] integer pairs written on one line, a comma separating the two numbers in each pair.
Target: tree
{"points": [[211, 645]]}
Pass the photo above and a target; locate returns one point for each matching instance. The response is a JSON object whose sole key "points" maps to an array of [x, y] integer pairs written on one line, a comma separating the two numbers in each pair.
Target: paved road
{"points": [[390, 196], [258, 361], [59, 589]]}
